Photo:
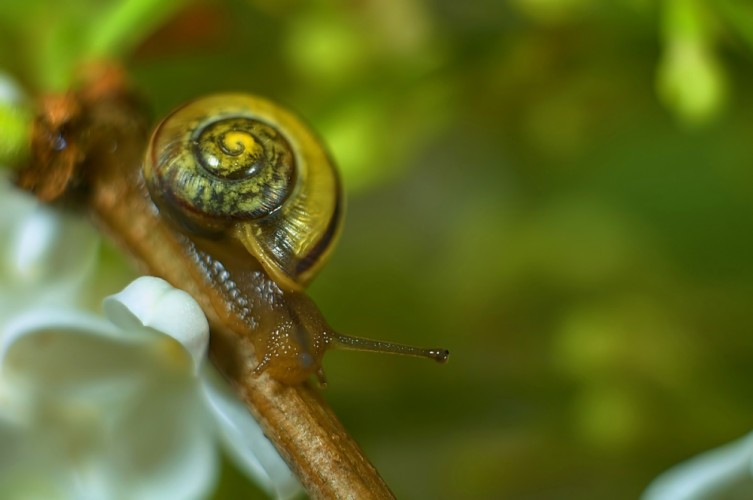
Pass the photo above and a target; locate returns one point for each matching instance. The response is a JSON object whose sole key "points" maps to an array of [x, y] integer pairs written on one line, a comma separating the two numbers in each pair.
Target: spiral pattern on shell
{"points": [[239, 165]]}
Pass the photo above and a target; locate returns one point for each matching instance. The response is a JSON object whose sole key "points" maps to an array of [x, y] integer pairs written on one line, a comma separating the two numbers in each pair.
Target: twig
{"points": [[105, 136]]}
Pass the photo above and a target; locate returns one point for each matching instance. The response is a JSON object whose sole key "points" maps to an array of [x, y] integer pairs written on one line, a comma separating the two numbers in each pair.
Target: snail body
{"points": [[258, 202]]}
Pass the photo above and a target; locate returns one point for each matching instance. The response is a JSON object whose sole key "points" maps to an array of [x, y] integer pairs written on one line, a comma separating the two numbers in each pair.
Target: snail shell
{"points": [[240, 164]]}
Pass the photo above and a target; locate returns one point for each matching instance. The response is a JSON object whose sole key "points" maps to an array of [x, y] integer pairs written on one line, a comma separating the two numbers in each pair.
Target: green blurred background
{"points": [[560, 192]]}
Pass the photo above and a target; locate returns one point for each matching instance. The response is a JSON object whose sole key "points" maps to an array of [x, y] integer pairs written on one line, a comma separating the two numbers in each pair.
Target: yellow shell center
{"points": [[242, 142], [229, 150]]}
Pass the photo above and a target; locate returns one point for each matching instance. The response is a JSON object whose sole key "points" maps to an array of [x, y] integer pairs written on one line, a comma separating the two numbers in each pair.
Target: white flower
{"points": [[46, 256], [123, 407], [722, 473]]}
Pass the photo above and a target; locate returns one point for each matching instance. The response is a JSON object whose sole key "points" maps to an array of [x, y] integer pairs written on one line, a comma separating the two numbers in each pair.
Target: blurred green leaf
{"points": [[15, 123], [738, 14], [691, 80], [54, 39]]}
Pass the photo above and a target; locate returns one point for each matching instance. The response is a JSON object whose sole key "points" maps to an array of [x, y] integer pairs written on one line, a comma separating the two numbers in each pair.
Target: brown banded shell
{"points": [[240, 165]]}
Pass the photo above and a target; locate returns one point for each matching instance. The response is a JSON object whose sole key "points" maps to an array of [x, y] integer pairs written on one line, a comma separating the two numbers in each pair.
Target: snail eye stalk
{"points": [[349, 343]]}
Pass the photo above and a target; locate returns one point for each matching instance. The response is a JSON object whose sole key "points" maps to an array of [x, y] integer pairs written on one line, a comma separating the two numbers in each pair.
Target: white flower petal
{"points": [[24, 472], [9, 90], [45, 256], [21, 475], [50, 350], [154, 303], [48, 244], [108, 410], [31, 243], [170, 451], [725, 472], [244, 440]]}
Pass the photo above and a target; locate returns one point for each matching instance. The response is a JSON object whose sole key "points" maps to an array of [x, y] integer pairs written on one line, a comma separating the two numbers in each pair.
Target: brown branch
{"points": [[104, 133]]}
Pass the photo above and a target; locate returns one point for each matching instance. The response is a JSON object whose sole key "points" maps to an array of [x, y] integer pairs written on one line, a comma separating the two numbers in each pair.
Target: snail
{"points": [[259, 204]]}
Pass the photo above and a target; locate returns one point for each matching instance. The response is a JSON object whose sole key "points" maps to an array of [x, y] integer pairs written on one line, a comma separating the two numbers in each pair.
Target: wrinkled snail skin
{"points": [[256, 203], [289, 333]]}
